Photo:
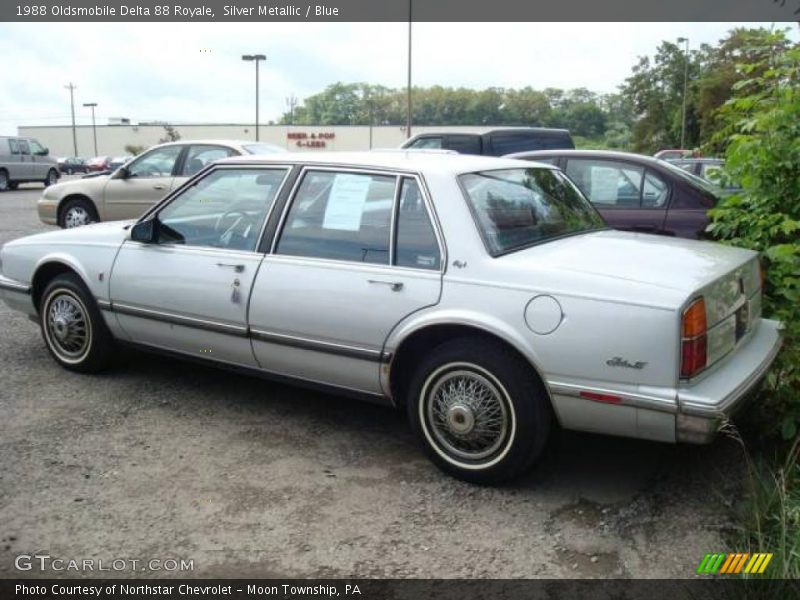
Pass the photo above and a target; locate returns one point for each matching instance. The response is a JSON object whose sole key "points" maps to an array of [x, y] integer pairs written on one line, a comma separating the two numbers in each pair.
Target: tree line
{"points": [[644, 114]]}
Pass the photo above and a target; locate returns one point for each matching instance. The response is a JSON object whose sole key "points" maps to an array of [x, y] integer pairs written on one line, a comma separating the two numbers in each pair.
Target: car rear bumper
{"points": [[705, 405]]}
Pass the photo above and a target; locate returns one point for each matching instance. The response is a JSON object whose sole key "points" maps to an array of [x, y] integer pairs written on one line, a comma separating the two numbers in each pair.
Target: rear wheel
{"points": [[479, 409], [52, 178], [77, 212], [12, 185], [72, 326]]}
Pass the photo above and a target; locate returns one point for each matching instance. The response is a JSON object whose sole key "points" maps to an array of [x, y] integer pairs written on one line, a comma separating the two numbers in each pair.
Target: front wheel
{"points": [[4, 182], [480, 410], [72, 326], [77, 212], [52, 178]]}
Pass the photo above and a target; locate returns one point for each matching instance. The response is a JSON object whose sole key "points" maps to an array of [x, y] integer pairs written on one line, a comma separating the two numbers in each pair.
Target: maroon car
{"points": [[636, 192]]}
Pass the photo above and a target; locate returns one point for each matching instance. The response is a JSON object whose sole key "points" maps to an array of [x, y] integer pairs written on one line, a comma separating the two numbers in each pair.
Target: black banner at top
{"points": [[400, 10]]}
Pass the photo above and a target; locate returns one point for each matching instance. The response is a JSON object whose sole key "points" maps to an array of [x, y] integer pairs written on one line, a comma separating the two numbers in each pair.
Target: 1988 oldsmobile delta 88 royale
{"points": [[485, 295]]}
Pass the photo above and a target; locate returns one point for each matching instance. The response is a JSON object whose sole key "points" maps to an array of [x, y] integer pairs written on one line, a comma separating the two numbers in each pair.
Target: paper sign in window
{"points": [[346, 202], [605, 181]]}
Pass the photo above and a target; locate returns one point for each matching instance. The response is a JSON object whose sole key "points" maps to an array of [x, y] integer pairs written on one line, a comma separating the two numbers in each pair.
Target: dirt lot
{"points": [[161, 459]]}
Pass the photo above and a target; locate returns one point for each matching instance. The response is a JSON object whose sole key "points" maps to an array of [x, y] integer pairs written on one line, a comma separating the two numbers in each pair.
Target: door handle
{"points": [[395, 286], [158, 187], [237, 268]]}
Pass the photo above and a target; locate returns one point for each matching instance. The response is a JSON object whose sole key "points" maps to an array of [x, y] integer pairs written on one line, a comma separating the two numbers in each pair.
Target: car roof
{"points": [[610, 154], [484, 131], [399, 160], [214, 141]]}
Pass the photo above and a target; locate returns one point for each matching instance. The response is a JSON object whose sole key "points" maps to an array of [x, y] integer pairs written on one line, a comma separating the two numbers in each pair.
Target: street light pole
{"points": [[256, 58], [71, 87], [408, 86], [685, 84], [92, 105]]}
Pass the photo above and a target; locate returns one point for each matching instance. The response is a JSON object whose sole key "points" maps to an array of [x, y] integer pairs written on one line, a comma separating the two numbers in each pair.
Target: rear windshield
{"points": [[517, 208]]}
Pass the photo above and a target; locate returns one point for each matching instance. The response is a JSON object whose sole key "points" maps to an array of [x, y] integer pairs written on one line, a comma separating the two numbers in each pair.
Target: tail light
{"points": [[694, 344]]}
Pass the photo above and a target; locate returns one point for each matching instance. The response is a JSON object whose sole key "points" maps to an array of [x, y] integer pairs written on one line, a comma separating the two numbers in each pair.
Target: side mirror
{"points": [[45, 151], [144, 231], [121, 173]]}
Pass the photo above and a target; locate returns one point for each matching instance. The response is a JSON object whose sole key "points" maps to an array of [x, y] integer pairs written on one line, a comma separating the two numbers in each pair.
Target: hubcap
{"points": [[51, 178], [68, 328], [76, 216], [468, 415]]}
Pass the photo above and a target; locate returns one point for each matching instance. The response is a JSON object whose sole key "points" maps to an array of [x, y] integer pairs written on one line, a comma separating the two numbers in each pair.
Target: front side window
{"points": [[156, 163], [340, 216], [225, 209], [200, 156], [428, 142], [415, 246], [517, 208], [37, 148], [607, 183]]}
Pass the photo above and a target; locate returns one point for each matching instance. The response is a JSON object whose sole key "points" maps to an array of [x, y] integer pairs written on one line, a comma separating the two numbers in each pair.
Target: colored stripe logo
{"points": [[733, 563]]}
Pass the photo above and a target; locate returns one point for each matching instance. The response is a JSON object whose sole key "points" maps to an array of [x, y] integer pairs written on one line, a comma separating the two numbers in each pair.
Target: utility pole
{"points": [[685, 85], [291, 102], [92, 105], [257, 58], [71, 89], [408, 87]]}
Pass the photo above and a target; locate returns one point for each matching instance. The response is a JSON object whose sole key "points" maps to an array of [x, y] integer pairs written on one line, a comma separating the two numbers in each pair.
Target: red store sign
{"points": [[310, 140]]}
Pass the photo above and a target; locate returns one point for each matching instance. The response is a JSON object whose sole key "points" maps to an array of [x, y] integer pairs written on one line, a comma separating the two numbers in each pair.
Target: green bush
{"points": [[763, 155]]}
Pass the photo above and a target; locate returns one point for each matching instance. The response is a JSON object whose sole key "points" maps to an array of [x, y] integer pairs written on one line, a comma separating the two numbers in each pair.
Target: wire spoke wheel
{"points": [[67, 326], [467, 413], [76, 216]]}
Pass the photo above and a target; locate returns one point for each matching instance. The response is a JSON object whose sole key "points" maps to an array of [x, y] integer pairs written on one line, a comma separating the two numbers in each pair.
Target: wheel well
{"points": [[45, 275], [66, 199], [416, 346]]}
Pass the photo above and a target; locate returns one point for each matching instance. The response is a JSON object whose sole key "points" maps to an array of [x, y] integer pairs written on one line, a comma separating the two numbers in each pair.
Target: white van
{"points": [[23, 160]]}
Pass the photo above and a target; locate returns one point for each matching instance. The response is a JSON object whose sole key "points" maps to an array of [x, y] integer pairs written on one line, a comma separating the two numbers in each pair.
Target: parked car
{"points": [[98, 163], [673, 154], [636, 192], [25, 160], [132, 188], [496, 142], [708, 169], [71, 165], [485, 296]]}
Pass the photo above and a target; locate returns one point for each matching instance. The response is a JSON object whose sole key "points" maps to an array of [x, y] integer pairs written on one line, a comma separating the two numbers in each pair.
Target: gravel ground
{"points": [[161, 459]]}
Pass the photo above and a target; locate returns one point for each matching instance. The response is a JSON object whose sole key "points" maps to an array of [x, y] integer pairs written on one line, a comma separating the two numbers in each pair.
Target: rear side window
{"points": [[416, 246], [464, 144], [13, 145], [23, 147], [200, 156], [607, 183], [340, 216]]}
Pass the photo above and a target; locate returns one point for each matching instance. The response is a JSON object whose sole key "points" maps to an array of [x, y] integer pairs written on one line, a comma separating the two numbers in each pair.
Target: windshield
{"points": [[517, 208], [262, 148]]}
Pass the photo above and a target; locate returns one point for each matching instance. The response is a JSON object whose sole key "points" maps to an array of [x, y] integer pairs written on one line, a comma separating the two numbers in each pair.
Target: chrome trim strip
{"points": [[103, 304], [157, 315], [626, 398], [14, 286], [319, 346]]}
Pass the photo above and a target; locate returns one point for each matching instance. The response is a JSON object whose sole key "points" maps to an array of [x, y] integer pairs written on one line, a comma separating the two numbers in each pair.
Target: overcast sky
{"points": [[192, 72]]}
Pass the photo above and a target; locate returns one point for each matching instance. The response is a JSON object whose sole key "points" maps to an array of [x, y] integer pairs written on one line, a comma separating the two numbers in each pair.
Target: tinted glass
{"points": [[224, 209], [655, 191], [199, 157], [23, 147], [340, 216], [416, 245], [14, 146], [516, 208], [465, 144], [36, 147], [157, 163], [427, 142], [607, 183]]}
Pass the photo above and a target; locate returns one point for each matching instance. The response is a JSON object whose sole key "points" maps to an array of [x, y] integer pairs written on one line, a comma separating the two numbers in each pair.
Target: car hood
{"points": [[638, 264], [110, 232], [91, 186]]}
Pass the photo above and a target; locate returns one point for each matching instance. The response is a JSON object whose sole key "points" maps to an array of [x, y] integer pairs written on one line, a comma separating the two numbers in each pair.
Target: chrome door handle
{"points": [[158, 187], [237, 268], [395, 286]]}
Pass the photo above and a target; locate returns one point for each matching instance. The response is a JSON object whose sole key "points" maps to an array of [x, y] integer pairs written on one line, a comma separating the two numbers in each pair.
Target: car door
{"points": [[144, 182], [25, 161], [40, 162], [188, 290], [628, 195], [13, 161], [357, 252]]}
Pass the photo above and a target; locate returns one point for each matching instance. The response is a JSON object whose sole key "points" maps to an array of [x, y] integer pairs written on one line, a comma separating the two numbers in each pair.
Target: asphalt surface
{"points": [[161, 459]]}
